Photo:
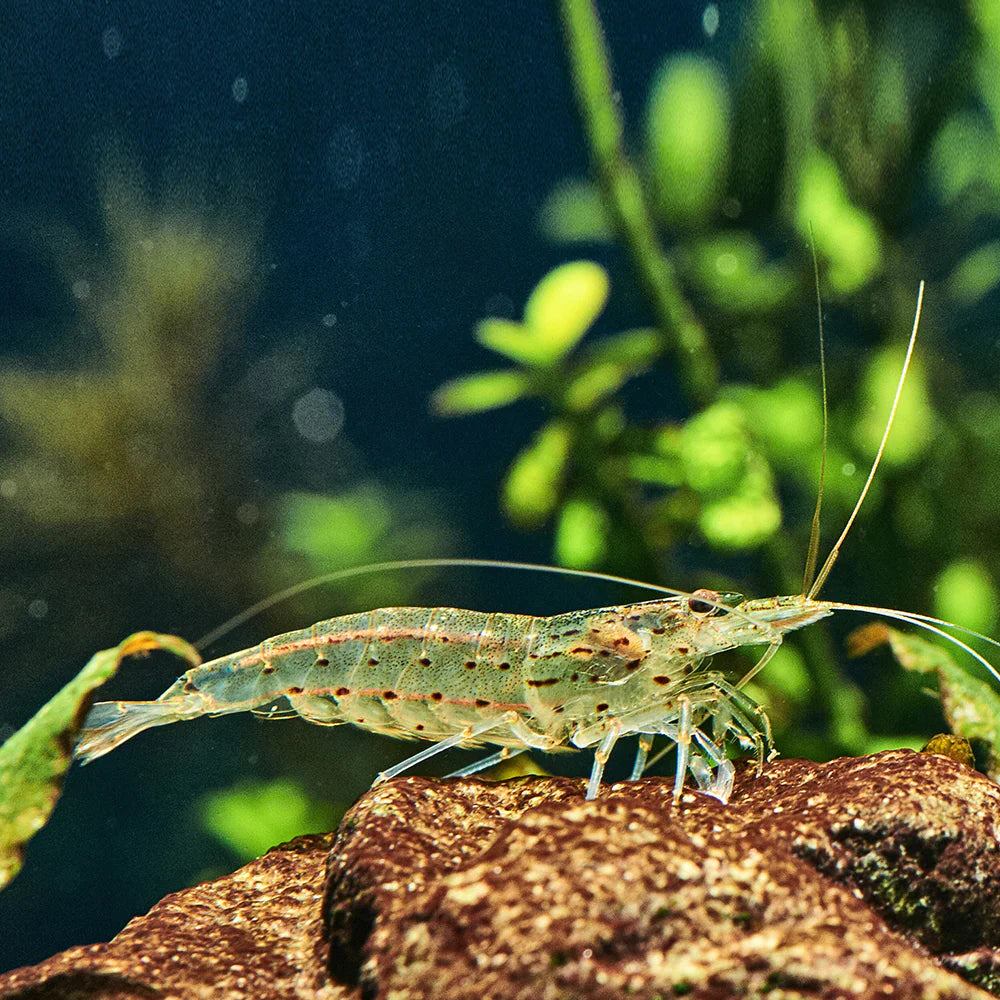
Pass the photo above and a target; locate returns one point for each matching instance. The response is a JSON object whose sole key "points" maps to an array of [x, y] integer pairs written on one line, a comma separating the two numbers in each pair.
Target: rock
{"points": [[861, 877], [256, 933]]}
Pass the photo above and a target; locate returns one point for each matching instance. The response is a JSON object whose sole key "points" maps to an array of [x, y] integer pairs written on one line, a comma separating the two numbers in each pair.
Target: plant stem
{"points": [[625, 200]]}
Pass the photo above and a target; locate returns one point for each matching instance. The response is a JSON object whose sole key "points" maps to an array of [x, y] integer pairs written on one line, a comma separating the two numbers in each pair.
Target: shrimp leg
{"points": [[457, 739], [641, 756], [683, 739], [487, 762], [601, 755]]}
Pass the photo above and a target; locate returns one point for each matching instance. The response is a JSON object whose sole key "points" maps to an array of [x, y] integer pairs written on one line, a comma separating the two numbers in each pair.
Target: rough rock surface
{"points": [[858, 878]]}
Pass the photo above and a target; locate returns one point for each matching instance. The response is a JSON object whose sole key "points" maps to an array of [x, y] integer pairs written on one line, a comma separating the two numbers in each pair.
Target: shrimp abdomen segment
{"points": [[406, 672]]}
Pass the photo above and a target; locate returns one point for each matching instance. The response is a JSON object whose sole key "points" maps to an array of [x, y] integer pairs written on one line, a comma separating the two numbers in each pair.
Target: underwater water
{"points": [[243, 247]]}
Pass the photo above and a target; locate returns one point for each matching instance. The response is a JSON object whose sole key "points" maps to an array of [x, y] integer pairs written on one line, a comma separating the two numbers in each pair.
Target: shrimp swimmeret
{"points": [[465, 678]]}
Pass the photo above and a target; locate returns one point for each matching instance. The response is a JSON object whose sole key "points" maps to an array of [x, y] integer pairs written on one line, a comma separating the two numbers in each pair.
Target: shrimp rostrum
{"points": [[464, 678]]}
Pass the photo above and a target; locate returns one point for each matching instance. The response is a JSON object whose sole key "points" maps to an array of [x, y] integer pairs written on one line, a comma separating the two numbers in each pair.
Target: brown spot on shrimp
{"points": [[543, 683]]}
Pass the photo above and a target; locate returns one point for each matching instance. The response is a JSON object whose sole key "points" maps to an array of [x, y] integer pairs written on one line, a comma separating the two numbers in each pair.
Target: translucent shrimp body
{"points": [[454, 677]]}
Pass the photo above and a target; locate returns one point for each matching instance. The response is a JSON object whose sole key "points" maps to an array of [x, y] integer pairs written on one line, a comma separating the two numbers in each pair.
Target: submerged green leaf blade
{"points": [[480, 392], [564, 305], [34, 760], [512, 340], [971, 706], [531, 489]]}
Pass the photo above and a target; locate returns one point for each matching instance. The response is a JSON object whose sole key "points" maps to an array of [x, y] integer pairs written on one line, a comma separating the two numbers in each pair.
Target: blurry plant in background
{"points": [[835, 123], [139, 435]]}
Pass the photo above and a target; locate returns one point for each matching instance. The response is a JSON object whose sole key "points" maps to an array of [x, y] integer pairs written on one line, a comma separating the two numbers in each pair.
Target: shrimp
{"points": [[581, 679]]}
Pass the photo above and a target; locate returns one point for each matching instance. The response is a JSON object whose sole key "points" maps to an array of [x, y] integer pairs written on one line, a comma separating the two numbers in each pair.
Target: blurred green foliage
{"points": [[849, 125], [252, 817], [971, 706]]}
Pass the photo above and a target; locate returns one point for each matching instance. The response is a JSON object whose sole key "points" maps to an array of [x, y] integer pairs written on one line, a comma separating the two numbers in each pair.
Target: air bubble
{"points": [[318, 416], [111, 42], [710, 20], [345, 155]]}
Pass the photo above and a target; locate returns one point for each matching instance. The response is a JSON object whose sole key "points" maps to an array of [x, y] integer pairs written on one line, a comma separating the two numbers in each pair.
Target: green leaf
{"points": [[964, 593], [713, 448], [582, 534], [964, 155], [659, 470], [531, 489], [687, 138], [913, 428], [35, 759], [787, 418], [977, 274], [732, 270], [609, 365], [971, 706], [788, 674], [564, 305], [845, 235], [252, 817], [573, 212], [340, 530], [511, 339], [479, 392], [740, 522]]}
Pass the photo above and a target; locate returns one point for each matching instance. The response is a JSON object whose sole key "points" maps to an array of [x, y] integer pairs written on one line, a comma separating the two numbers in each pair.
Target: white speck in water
{"points": [[240, 89], [247, 513], [111, 42], [726, 264], [81, 289], [848, 469], [38, 608], [500, 305], [446, 97], [318, 416], [710, 20], [330, 319], [8, 488], [345, 156]]}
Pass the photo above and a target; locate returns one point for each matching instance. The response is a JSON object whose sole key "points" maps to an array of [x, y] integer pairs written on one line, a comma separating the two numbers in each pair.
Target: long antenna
{"points": [[835, 551], [812, 553]]}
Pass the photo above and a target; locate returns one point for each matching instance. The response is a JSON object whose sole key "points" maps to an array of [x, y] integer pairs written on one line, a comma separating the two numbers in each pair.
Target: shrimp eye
{"points": [[703, 602]]}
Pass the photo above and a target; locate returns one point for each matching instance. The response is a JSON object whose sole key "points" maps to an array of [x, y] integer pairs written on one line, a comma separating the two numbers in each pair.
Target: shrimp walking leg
{"points": [[487, 762], [721, 786], [641, 756], [601, 755], [683, 745], [464, 736]]}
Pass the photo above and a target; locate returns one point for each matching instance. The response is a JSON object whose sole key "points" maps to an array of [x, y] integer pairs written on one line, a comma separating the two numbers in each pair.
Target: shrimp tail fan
{"points": [[110, 723]]}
